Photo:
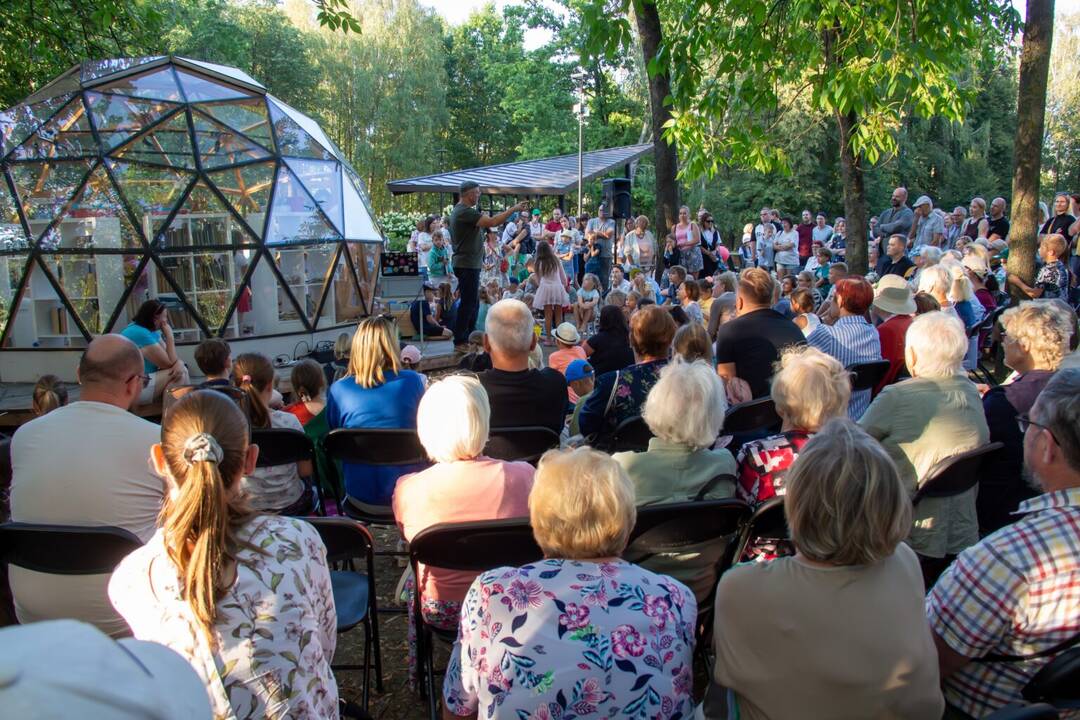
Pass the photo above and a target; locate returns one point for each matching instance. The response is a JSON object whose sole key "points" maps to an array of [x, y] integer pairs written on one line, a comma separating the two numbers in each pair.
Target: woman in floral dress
{"points": [[581, 633], [245, 598]]}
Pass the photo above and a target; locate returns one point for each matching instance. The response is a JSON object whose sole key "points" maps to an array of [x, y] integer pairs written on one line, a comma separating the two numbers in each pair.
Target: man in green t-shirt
{"points": [[465, 224]]}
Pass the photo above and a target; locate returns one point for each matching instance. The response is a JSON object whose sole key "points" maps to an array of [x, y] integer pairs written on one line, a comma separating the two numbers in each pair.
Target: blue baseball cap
{"points": [[578, 370]]}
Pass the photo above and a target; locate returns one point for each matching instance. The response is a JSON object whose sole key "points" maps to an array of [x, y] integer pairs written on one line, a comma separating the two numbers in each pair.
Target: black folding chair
{"points": [[525, 444], [955, 475], [1057, 683], [981, 372], [284, 446], [767, 522], [348, 542], [753, 416], [468, 546], [867, 375], [65, 549], [632, 434], [371, 446]]}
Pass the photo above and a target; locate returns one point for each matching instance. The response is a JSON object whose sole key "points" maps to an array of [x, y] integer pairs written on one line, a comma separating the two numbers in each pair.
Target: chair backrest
{"points": [[281, 446], [867, 375], [671, 526], [526, 444], [757, 414], [65, 549], [372, 446], [1057, 682], [344, 539], [957, 474], [767, 521], [476, 546], [632, 434]]}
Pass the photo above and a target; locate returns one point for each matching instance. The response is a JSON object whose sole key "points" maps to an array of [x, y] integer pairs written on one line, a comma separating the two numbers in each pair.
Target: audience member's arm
{"points": [[591, 418], [587, 348], [715, 311], [1032, 292], [949, 661]]}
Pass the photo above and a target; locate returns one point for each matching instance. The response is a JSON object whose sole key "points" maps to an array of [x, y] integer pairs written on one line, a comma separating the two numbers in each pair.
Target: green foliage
{"points": [[335, 15], [1062, 147], [399, 226]]}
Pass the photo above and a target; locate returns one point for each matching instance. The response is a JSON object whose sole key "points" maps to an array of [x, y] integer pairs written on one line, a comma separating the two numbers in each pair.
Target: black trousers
{"points": [[469, 290]]}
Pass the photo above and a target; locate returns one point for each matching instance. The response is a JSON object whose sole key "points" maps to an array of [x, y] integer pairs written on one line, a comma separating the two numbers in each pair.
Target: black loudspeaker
{"points": [[617, 196]]}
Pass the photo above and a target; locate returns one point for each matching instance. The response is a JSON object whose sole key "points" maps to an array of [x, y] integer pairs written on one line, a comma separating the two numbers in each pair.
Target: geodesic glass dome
{"points": [[170, 178]]}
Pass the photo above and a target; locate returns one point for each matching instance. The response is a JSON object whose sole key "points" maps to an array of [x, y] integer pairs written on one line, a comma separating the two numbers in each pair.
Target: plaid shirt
{"points": [[1015, 593]]}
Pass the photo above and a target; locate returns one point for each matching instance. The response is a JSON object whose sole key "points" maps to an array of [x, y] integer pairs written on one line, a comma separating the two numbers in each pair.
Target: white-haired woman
{"points": [[463, 485], [931, 417], [1035, 340], [580, 632], [842, 621], [685, 411], [926, 257]]}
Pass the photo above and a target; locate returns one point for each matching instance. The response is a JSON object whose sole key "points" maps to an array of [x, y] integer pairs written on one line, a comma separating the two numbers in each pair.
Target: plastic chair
{"points": [[955, 475], [525, 444], [374, 446], [468, 546], [753, 416], [767, 521], [632, 434], [1013, 711], [867, 375], [1058, 682], [65, 549], [347, 542]]}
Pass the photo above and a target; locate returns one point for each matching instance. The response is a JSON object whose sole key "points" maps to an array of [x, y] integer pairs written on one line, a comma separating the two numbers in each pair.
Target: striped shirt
{"points": [[1015, 593], [851, 340]]}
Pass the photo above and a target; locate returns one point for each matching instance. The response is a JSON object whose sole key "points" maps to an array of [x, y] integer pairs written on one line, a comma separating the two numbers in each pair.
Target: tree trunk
{"points": [[667, 187], [1027, 149], [851, 173]]}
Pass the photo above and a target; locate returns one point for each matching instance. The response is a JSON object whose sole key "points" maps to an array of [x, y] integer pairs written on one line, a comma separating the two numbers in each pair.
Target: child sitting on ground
{"points": [[588, 297], [567, 338]]}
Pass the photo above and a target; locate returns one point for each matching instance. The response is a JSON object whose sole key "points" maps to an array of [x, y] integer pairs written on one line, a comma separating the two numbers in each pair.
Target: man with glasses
{"points": [[86, 464], [1011, 603]]}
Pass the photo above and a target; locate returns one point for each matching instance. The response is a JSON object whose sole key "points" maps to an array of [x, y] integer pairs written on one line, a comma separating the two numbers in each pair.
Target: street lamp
{"points": [[579, 77]]}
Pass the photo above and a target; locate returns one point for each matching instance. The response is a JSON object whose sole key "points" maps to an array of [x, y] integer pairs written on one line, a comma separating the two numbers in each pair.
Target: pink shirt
{"points": [[559, 359], [463, 491]]}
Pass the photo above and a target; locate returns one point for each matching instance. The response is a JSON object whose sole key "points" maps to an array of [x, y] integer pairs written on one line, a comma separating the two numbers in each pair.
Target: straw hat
{"points": [[892, 295], [977, 265], [567, 333]]}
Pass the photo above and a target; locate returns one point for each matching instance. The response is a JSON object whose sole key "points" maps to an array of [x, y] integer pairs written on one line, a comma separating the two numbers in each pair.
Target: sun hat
{"points": [[411, 353], [578, 370], [923, 200], [893, 295], [977, 265], [567, 333]]}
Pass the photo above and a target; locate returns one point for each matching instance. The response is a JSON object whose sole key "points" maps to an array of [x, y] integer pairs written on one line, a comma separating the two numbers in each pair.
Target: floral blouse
{"points": [[564, 639], [276, 627]]}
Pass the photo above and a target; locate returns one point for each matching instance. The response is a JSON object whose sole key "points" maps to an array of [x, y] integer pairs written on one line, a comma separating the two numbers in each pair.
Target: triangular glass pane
{"points": [[201, 89], [67, 134], [226, 71], [359, 221], [167, 144], [295, 217], [151, 191], [220, 146], [158, 84], [12, 268], [203, 221], [365, 257], [343, 303], [322, 180], [293, 139], [40, 317], [18, 122], [138, 279], [45, 187], [310, 126], [96, 69], [208, 281], [248, 116], [247, 189], [12, 234], [95, 219], [63, 84], [305, 270], [93, 285], [118, 117]]}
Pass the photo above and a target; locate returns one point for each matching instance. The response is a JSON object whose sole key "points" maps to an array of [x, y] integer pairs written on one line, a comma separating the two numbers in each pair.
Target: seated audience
{"points": [[1008, 605], [692, 343], [567, 339], [214, 358], [838, 630], [520, 396], [245, 598], [376, 392], [309, 389], [475, 360], [747, 347], [1035, 339], [893, 309], [423, 313], [685, 411], [931, 417], [528, 637], [925, 302], [339, 366], [151, 332], [609, 349], [620, 394], [809, 388], [851, 339], [100, 477], [48, 395], [581, 378]]}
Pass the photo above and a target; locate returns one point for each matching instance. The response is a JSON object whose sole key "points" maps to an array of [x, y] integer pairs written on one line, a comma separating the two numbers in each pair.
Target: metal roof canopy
{"points": [[546, 176]]}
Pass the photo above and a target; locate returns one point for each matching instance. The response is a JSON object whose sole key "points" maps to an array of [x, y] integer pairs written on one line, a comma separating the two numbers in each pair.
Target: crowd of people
{"points": [[872, 607]]}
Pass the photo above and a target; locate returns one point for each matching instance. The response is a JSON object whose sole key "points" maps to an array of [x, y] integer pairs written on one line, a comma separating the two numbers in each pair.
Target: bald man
{"points": [[86, 464], [998, 225]]}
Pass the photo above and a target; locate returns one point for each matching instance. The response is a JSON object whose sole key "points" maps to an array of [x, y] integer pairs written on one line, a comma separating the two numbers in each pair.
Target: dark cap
{"points": [[468, 185]]}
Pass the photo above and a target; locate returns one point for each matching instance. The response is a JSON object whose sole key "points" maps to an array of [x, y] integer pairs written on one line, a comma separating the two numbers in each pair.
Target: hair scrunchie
{"points": [[202, 448]]}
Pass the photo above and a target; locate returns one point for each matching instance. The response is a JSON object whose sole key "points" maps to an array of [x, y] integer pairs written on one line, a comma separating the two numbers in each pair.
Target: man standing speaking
{"points": [[465, 224]]}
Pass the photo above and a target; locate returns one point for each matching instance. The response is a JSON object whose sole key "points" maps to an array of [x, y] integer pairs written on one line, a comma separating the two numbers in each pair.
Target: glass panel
{"points": [[294, 217], [42, 319], [167, 144], [365, 257], [359, 222], [152, 192], [155, 84], [219, 146], [303, 121], [293, 139], [247, 116], [67, 134], [17, 123], [93, 285], [208, 281], [322, 179], [203, 221], [11, 272], [226, 70], [304, 269], [45, 187], [198, 88], [95, 69], [271, 310], [243, 320], [64, 84], [118, 117], [247, 188], [140, 289], [96, 219], [12, 235]]}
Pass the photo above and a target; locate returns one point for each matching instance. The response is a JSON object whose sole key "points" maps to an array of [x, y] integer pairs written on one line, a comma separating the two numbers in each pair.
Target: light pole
{"points": [[579, 76]]}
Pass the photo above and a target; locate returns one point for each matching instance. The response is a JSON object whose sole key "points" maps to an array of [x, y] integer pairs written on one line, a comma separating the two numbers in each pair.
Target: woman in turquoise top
{"points": [[152, 334]]}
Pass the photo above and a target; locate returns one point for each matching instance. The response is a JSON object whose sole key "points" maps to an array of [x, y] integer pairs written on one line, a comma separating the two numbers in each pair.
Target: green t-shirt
{"points": [[465, 233]]}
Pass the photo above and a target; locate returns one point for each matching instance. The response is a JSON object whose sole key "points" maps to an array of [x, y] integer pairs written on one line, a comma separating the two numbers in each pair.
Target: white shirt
{"points": [[84, 464], [790, 256], [279, 486]]}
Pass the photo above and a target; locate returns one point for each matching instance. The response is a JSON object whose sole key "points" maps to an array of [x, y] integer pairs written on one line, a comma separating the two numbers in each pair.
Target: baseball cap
{"points": [[536, 211], [411, 353], [567, 333], [66, 668], [923, 200], [578, 370]]}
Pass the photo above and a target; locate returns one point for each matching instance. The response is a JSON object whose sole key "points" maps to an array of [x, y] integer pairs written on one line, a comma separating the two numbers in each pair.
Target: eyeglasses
{"points": [[145, 379], [1024, 421]]}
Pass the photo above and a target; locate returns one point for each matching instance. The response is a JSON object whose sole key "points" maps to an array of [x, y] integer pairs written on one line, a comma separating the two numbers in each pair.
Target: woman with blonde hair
{"points": [[541, 619], [376, 392], [842, 620], [242, 597], [49, 394]]}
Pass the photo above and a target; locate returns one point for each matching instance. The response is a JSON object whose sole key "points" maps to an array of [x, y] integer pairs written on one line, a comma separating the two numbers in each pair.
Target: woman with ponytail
{"points": [[245, 598], [280, 488]]}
